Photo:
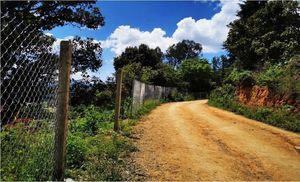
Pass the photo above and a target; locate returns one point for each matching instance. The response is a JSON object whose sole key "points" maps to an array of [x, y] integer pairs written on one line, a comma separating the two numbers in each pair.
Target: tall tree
{"points": [[142, 54], [183, 50], [197, 73], [27, 60], [265, 33]]}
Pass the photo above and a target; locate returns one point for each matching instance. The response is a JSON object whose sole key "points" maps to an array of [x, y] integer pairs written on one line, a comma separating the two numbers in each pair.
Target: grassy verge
{"points": [[94, 151], [281, 117]]}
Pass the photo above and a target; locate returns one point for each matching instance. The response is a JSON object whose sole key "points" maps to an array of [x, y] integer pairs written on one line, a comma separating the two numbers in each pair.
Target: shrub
{"points": [[242, 77], [222, 96], [89, 121], [270, 77], [76, 151]]}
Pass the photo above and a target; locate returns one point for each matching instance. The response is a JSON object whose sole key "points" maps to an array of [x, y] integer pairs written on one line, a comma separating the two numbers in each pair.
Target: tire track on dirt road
{"points": [[193, 141]]}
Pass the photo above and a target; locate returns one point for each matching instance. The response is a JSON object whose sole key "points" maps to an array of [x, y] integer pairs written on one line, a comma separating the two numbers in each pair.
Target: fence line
{"points": [[29, 97], [142, 92]]}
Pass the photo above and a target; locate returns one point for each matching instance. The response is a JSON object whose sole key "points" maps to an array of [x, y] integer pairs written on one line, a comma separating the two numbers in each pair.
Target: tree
{"points": [[221, 68], [86, 55], [46, 15], [265, 33], [26, 49], [166, 76], [183, 50], [197, 73], [142, 54], [89, 91]]}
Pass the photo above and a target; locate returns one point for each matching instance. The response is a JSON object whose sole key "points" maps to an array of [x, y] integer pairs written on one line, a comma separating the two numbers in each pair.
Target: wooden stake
{"points": [[62, 110], [118, 99]]}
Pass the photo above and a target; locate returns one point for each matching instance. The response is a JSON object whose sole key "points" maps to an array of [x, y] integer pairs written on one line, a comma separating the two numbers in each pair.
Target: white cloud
{"points": [[125, 36], [211, 33], [56, 44], [49, 34]]}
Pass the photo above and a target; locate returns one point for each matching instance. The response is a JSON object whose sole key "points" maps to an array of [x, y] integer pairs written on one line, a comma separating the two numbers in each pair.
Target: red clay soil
{"points": [[193, 141], [263, 96]]}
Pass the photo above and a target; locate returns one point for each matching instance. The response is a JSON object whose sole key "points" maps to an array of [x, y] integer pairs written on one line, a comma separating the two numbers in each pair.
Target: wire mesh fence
{"points": [[29, 84]]}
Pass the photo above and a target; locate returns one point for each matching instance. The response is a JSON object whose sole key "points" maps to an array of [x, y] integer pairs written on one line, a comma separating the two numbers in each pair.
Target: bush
{"points": [[270, 77], [76, 151], [242, 77], [222, 96], [89, 121]]}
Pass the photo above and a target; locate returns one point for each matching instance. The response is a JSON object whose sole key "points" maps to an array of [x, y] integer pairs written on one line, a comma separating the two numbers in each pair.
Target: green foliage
{"points": [[102, 160], [55, 13], [180, 96], [142, 54], [98, 155], [283, 117], [94, 151], [89, 120], [26, 152], [267, 32], [86, 54], [270, 77], [197, 73], [242, 77], [222, 96], [76, 150], [290, 80], [27, 49], [147, 106], [186, 49]]}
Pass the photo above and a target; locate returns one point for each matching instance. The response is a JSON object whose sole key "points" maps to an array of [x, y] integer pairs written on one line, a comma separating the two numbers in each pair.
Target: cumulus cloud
{"points": [[211, 33], [56, 44], [125, 36]]}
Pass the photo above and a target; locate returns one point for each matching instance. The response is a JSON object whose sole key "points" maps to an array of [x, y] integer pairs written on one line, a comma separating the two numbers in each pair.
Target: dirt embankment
{"points": [[193, 141], [263, 96]]}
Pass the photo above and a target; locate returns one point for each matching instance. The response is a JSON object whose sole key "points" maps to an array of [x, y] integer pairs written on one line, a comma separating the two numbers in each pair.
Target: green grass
{"points": [[26, 153], [145, 108], [94, 151]]}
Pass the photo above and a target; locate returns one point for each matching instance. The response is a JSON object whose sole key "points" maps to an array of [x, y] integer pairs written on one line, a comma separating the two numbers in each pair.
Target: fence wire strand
{"points": [[29, 86]]}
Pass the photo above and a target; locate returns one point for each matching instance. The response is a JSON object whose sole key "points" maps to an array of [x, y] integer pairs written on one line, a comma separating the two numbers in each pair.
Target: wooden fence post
{"points": [[118, 99], [62, 110]]}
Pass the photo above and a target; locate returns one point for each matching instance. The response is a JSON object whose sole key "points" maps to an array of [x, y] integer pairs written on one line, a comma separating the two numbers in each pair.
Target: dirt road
{"points": [[193, 141]]}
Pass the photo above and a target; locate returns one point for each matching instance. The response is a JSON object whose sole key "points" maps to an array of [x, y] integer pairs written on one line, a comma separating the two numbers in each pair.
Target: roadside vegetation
{"points": [[263, 53], [94, 150], [263, 46]]}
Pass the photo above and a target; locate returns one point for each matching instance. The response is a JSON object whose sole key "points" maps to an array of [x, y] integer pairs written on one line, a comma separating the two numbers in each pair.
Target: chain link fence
{"points": [[29, 85]]}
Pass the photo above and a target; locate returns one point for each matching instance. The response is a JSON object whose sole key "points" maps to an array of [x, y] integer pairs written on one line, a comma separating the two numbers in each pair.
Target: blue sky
{"points": [[156, 24]]}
